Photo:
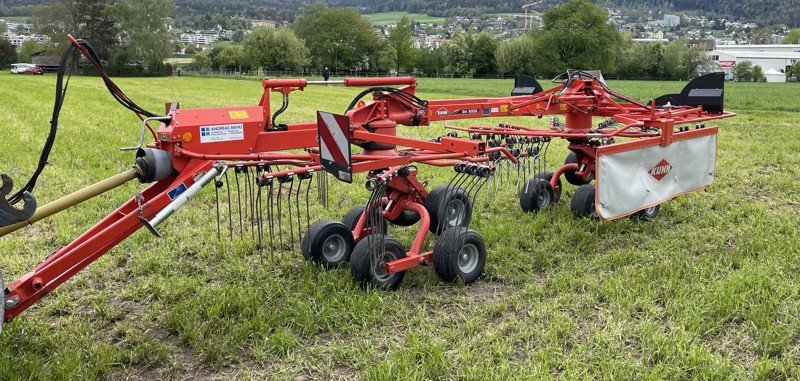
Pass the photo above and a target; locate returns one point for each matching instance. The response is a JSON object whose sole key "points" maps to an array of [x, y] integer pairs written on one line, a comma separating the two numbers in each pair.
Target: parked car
{"points": [[34, 70], [25, 68]]}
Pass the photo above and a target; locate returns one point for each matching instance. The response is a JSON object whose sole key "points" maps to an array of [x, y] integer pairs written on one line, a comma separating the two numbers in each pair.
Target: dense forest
{"points": [[760, 11]]}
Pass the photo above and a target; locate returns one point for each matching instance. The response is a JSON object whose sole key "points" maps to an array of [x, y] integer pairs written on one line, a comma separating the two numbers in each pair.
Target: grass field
{"points": [[388, 18], [709, 290]]}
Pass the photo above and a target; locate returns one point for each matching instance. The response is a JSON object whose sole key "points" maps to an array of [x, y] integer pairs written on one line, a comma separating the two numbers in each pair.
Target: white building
{"points": [[773, 59]]}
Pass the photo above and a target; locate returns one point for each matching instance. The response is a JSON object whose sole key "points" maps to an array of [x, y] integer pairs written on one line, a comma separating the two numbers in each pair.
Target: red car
{"points": [[33, 70]]}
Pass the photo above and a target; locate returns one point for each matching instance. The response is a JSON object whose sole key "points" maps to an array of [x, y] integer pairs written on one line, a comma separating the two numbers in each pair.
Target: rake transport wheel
{"points": [[448, 206], [571, 177], [647, 214], [535, 195], [366, 273], [350, 219], [328, 243], [459, 254], [548, 175], [582, 203]]}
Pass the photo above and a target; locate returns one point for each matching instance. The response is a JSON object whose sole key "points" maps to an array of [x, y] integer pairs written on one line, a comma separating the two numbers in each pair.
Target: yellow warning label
{"points": [[563, 107], [503, 108], [241, 114]]}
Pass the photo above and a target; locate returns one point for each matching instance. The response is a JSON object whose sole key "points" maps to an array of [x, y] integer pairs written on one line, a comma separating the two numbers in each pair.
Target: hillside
{"points": [[760, 11]]}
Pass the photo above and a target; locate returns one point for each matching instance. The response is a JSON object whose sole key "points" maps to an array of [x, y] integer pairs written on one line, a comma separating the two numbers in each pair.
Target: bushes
{"points": [[745, 71]]}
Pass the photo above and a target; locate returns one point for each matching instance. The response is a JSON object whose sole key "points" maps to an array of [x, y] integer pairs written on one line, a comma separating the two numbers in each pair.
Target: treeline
{"points": [[574, 36], [770, 12], [131, 36]]}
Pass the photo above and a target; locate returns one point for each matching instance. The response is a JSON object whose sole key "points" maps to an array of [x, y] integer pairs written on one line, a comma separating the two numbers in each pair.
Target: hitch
{"points": [[10, 215]]}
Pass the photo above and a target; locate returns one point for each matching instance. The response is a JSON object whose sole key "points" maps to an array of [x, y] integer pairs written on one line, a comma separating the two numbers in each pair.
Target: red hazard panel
{"points": [[660, 170], [334, 145]]}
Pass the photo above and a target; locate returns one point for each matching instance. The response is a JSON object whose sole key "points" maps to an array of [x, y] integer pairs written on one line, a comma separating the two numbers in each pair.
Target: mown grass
{"points": [[708, 290]]}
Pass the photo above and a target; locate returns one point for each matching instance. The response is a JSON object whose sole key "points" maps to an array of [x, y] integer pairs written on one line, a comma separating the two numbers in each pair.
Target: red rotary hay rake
{"points": [[666, 152]]}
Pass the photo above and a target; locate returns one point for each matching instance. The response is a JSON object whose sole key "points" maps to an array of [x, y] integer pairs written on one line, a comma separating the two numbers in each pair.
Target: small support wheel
{"points": [[352, 216], [548, 175], [647, 214], [368, 272], [448, 206], [328, 243], [406, 218], [535, 195], [571, 177], [459, 254], [582, 203]]}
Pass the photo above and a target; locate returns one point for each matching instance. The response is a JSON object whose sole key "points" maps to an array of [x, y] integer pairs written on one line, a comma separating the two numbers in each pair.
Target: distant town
{"points": [[726, 41]]}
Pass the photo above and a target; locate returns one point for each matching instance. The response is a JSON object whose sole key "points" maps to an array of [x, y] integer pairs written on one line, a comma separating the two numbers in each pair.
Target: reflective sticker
{"points": [[240, 114], [175, 192], [221, 133]]}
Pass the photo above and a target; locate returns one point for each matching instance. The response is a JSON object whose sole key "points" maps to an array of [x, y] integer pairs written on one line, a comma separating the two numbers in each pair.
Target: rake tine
{"points": [[239, 199], [297, 206], [260, 224], [217, 185], [270, 219], [280, 223], [230, 210], [290, 180], [308, 191]]}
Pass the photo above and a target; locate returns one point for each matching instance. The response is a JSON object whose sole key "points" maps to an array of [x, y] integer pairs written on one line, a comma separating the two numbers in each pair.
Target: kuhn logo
{"points": [[660, 170]]}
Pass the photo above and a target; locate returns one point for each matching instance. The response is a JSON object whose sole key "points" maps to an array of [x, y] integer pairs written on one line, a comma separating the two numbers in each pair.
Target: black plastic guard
{"points": [[525, 85], [706, 91]]}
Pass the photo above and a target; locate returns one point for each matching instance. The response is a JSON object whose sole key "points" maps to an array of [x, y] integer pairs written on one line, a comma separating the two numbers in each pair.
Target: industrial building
{"points": [[773, 59]]}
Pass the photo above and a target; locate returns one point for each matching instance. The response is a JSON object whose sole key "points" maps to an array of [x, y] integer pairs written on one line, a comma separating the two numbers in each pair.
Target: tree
{"points": [[28, 49], [85, 19], [458, 54], [200, 61], [231, 57], [401, 42], [682, 61], [743, 71], [338, 37], [795, 71], [430, 61], [793, 37], [8, 53], [275, 49], [190, 49], [143, 35], [579, 37], [758, 74], [483, 61], [760, 36]]}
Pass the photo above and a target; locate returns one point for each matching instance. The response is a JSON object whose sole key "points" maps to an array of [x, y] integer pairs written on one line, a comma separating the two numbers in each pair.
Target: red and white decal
{"points": [[660, 170], [334, 144]]}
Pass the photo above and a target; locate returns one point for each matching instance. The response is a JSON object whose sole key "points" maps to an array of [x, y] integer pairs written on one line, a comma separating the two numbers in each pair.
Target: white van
{"points": [[20, 68]]}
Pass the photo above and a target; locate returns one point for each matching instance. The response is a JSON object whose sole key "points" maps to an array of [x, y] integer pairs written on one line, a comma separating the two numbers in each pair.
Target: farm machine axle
{"points": [[276, 162]]}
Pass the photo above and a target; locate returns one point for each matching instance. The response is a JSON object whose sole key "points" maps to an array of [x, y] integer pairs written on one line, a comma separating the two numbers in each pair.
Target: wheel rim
{"points": [[542, 196], [651, 211], [455, 211], [334, 248], [378, 271], [468, 258]]}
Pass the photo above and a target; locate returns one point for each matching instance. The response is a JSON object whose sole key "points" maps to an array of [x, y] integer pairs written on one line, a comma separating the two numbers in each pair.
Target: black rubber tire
{"points": [[571, 177], [319, 235], [436, 206], [582, 203], [305, 242], [535, 195], [361, 267], [407, 218], [547, 175], [647, 214], [448, 251], [350, 219], [352, 216]]}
